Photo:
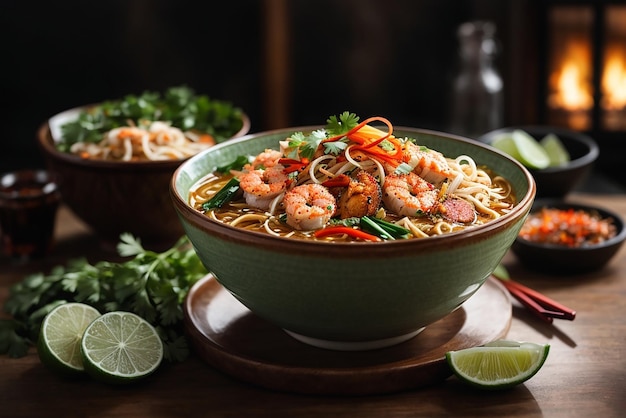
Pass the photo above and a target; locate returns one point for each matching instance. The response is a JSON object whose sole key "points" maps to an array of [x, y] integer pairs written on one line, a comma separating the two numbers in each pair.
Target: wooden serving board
{"points": [[229, 337]]}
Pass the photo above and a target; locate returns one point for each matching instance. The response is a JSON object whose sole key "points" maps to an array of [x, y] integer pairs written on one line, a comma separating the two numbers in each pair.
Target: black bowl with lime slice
{"points": [[559, 159]]}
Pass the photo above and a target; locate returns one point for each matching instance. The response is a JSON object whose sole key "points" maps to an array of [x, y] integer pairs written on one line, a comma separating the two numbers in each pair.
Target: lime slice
{"points": [[498, 365], [555, 149], [60, 334], [121, 347], [531, 153]]}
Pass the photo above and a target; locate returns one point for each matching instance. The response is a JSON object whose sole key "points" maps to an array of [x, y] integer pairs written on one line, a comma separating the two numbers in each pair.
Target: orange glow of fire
{"points": [[572, 86], [614, 79], [572, 89]]}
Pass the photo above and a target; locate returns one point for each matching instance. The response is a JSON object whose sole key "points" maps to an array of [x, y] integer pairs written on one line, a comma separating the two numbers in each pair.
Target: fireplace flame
{"points": [[571, 86], [614, 80]]}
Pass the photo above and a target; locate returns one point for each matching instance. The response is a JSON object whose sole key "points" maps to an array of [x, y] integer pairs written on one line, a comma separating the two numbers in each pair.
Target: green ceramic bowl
{"points": [[351, 296]]}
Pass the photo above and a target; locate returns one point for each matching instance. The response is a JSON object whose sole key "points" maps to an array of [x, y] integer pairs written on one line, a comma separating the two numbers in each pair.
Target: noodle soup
{"points": [[327, 290], [353, 181]]}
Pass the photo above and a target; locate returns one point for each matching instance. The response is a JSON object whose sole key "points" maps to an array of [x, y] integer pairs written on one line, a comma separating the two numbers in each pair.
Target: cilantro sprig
{"points": [[305, 146], [150, 284], [178, 105], [342, 124]]}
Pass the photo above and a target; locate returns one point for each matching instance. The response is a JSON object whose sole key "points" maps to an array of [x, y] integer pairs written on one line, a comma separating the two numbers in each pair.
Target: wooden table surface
{"points": [[584, 375]]}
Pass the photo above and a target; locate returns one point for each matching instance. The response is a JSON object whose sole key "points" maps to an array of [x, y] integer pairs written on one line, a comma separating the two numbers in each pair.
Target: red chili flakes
{"points": [[567, 227]]}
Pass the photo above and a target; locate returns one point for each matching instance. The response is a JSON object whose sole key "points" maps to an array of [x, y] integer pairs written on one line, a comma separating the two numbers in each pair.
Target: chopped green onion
{"points": [[403, 168], [238, 164], [225, 194], [384, 229], [345, 222]]}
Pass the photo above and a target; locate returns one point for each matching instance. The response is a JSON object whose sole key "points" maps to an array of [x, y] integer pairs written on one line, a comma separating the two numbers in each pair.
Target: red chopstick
{"points": [[540, 305]]}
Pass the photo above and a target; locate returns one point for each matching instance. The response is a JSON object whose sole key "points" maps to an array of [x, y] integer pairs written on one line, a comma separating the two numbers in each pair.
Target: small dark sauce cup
{"points": [[29, 200]]}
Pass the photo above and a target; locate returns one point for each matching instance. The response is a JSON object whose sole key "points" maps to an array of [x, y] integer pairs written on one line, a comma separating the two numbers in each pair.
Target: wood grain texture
{"points": [[230, 338], [584, 375]]}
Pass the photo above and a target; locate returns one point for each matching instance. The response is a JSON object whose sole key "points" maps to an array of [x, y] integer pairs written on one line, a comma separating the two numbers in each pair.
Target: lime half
{"points": [[60, 335], [121, 347], [498, 365], [555, 149]]}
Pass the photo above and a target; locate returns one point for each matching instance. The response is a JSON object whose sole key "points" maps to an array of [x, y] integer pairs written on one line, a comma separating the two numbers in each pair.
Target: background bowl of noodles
{"points": [[113, 197], [351, 295]]}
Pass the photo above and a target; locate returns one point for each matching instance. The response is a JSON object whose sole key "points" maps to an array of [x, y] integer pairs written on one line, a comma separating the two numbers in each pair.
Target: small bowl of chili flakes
{"points": [[568, 238]]}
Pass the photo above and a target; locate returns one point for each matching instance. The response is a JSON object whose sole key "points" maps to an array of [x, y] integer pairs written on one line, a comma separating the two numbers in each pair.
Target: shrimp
{"points": [[409, 194], [267, 159], [362, 197], [431, 165], [260, 187], [309, 206]]}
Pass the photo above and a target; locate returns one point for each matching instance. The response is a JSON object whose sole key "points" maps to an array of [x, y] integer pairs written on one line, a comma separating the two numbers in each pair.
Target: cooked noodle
{"points": [[489, 195], [152, 141]]}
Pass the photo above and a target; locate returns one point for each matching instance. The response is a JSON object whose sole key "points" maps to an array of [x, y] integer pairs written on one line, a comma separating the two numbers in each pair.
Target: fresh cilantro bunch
{"points": [[152, 285], [178, 105]]}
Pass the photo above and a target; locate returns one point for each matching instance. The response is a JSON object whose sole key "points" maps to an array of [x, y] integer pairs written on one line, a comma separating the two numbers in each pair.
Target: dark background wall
{"points": [[388, 57]]}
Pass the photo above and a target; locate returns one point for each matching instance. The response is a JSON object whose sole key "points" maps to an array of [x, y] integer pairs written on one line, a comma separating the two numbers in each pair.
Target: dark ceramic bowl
{"points": [[558, 182], [351, 295], [557, 259], [113, 197]]}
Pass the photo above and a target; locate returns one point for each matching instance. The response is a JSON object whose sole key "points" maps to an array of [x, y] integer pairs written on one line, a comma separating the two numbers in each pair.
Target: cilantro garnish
{"points": [[345, 122], [152, 285], [304, 146], [178, 105]]}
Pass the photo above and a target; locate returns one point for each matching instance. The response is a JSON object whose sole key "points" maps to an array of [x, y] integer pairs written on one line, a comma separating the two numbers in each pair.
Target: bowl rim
{"points": [[230, 233], [556, 203], [589, 158], [47, 144]]}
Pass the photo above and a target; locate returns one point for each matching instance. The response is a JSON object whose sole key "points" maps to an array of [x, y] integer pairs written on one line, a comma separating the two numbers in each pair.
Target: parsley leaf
{"points": [[152, 285], [178, 105], [336, 147], [305, 146], [345, 122]]}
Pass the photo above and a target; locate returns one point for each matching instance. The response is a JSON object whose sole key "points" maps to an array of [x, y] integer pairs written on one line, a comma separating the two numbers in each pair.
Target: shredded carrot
{"points": [[567, 227], [368, 138], [345, 230]]}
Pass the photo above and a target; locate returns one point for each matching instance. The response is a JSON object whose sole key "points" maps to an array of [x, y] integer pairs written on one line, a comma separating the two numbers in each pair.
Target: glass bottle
{"points": [[477, 97]]}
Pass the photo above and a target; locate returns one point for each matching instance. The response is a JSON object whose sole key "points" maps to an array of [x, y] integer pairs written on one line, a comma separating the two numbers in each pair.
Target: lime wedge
{"points": [[121, 347], [531, 153], [498, 365], [555, 149], [505, 143], [60, 335]]}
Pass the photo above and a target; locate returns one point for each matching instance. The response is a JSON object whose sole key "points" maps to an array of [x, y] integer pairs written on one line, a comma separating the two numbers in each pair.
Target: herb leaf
{"points": [[152, 285], [342, 124], [178, 105]]}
